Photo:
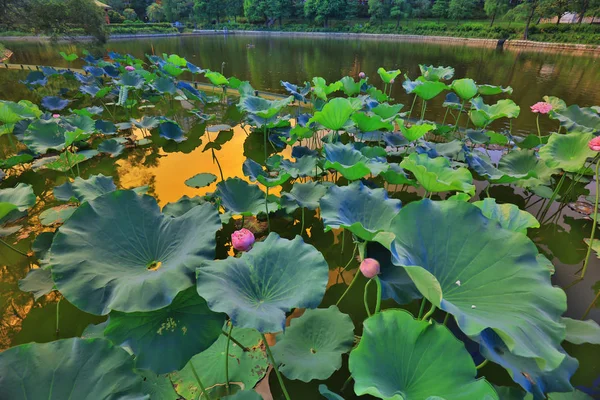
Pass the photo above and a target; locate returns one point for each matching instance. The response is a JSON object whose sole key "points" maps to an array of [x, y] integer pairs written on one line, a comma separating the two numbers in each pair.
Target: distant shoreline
{"points": [[509, 44]]}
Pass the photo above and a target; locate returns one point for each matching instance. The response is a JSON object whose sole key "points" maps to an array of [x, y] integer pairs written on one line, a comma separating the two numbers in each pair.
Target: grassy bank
{"points": [[564, 33]]}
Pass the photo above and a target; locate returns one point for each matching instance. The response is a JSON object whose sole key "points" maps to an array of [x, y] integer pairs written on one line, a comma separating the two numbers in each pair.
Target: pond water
{"points": [[164, 167]]}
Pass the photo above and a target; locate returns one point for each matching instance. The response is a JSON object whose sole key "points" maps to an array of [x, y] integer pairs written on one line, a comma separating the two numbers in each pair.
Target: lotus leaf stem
{"points": [[423, 110], [302, 227], [483, 364], [279, 378], [378, 304], [351, 258], [446, 318], [445, 115], [343, 239], [348, 288], [267, 208], [265, 141], [202, 389], [365, 297], [554, 194], [234, 340], [429, 313], [422, 308], [227, 358], [587, 311], [13, 248], [589, 250], [218, 164], [411, 107], [462, 106], [57, 315], [346, 382]]}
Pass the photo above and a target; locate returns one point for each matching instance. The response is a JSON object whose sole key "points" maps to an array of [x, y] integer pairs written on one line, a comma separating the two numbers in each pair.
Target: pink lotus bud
{"points": [[129, 68], [242, 240], [55, 115], [369, 267], [594, 144], [541, 107], [362, 75], [392, 82]]}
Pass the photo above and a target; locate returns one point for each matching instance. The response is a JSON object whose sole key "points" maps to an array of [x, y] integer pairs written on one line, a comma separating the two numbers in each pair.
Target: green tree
{"points": [[440, 9], [234, 8], [59, 17], [177, 10], [139, 6], [155, 12], [399, 10], [117, 5], [495, 8], [130, 14], [554, 8], [209, 10], [530, 8], [461, 9], [421, 8], [379, 9], [114, 17], [321, 11]]}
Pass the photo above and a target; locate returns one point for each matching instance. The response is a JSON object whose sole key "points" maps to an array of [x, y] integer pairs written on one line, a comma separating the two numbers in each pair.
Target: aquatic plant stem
{"points": [[593, 303], [13, 248], [446, 318], [537, 122], [267, 208], [429, 313], [589, 250], [378, 304], [348, 288], [411, 107], [422, 308], [554, 194], [423, 110], [365, 297], [483, 364], [218, 164], [227, 358], [302, 227], [462, 106], [265, 141], [57, 315], [279, 378], [244, 348], [445, 115], [202, 389]]}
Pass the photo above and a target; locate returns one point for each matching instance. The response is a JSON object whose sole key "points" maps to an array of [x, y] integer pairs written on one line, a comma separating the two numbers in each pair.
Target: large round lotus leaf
{"points": [[579, 332], [427, 90], [82, 369], [322, 89], [244, 395], [257, 289], [335, 114], [57, 215], [312, 346], [42, 136], [512, 393], [369, 123], [11, 113], [351, 163], [159, 387], [432, 73], [436, 174], [85, 189], [483, 166], [263, 108], [396, 176], [508, 215], [241, 198], [466, 88], [525, 162], [200, 180], [21, 196], [172, 131], [387, 76], [136, 259], [363, 211], [489, 90], [399, 357], [577, 118], [395, 281], [164, 340], [255, 172], [482, 114], [387, 111], [567, 152], [54, 103], [38, 281], [246, 368], [328, 394], [183, 205], [526, 371], [486, 276], [303, 195], [113, 147], [416, 131]]}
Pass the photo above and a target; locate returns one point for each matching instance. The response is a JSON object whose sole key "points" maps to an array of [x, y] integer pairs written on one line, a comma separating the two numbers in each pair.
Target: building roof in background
{"points": [[101, 4]]}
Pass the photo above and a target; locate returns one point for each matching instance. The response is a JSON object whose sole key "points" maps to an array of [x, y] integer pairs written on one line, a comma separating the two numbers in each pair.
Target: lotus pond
{"points": [[360, 249]]}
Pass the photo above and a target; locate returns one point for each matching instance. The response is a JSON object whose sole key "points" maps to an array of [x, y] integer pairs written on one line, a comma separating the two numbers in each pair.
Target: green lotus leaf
{"points": [[567, 152], [436, 175], [38, 281], [580, 119], [557, 104], [497, 138], [526, 371], [579, 332], [351, 163], [303, 195], [137, 259], [396, 176], [369, 123], [159, 387], [363, 211], [431, 73], [416, 131], [6, 208], [304, 166], [328, 394], [387, 111], [312, 346], [322, 89], [257, 289], [335, 114], [165, 340], [131, 80], [482, 114], [508, 215], [427, 90], [246, 368], [264, 108], [165, 85], [255, 172], [69, 57], [76, 136], [21, 197], [428, 362], [244, 395], [489, 90], [83, 369], [460, 269], [216, 78], [387, 76], [42, 135], [57, 215], [65, 161], [595, 245], [172, 131], [114, 147], [183, 205], [350, 87], [11, 113], [241, 198], [465, 88], [105, 127], [200, 180], [534, 172], [15, 160], [377, 94]]}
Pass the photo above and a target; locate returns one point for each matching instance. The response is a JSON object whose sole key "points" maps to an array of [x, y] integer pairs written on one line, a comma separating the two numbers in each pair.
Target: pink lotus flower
{"points": [[594, 144], [129, 68], [55, 115], [369, 267], [362, 75], [541, 107], [242, 240]]}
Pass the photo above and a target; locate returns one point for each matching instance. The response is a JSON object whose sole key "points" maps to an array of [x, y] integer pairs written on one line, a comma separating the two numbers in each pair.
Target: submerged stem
{"points": [[587, 311], [227, 358], [202, 389], [279, 378], [589, 250], [483, 364]]}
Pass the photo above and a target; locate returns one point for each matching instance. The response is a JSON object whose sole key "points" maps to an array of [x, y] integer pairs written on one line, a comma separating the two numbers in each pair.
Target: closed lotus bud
{"points": [[130, 68], [369, 267], [242, 239], [392, 81], [362, 75], [55, 115]]}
